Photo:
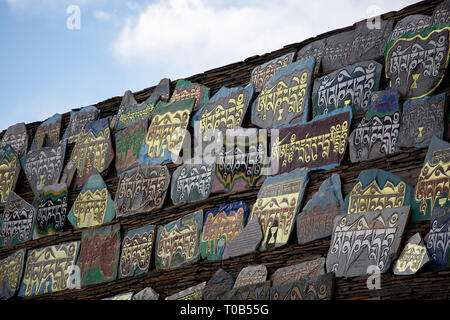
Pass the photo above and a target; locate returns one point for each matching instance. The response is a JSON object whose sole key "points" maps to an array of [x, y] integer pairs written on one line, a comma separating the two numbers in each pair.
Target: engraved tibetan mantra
{"points": [[284, 98], [319, 288], [93, 152], [277, 206], [99, 254], [52, 210], [316, 219], [46, 269], [192, 182], [251, 275], [377, 133], [78, 119], [128, 145], [93, 206], [191, 293], [9, 172], [43, 166], [421, 119], [127, 101], [314, 49], [17, 221], [416, 63], [366, 239], [136, 251], [187, 90], [142, 189], [410, 24], [413, 257], [132, 115], [260, 291], [219, 283], [241, 161], [302, 271], [48, 132], [261, 74], [318, 144], [11, 269], [177, 243], [438, 240], [441, 13], [375, 190], [166, 132], [349, 86], [220, 227], [17, 137]]}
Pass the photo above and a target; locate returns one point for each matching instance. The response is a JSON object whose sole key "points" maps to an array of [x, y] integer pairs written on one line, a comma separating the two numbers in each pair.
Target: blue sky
{"points": [[48, 68]]}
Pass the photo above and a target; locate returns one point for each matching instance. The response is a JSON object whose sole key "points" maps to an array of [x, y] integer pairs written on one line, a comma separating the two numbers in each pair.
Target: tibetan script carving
{"points": [[441, 13], [246, 241], [128, 145], [142, 189], [192, 293], [187, 90], [261, 74], [364, 239], [9, 172], [303, 271], [314, 49], [260, 291], [47, 134], [17, 137], [11, 269], [284, 99], [132, 115], [127, 101], [177, 243], [438, 239], [217, 285], [78, 119], [146, 294], [318, 288], [413, 23], [192, 182], [413, 257], [251, 275]]}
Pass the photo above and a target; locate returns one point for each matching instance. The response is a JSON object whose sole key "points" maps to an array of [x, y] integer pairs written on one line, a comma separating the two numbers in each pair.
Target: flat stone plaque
{"points": [[416, 63], [142, 189], [93, 151], [284, 99], [314, 49], [302, 271], [220, 227], [78, 119], [93, 205], [337, 51], [9, 172], [410, 24], [48, 132], [366, 239], [46, 269], [438, 238], [318, 144], [136, 251], [217, 285], [128, 145], [316, 219], [17, 137], [68, 173], [262, 74], [192, 182], [251, 275], [11, 269], [186, 90], [318, 288], [99, 254], [137, 113], [277, 206], [260, 291], [178, 242], [191, 293], [146, 294], [127, 101], [441, 13], [245, 242], [162, 90], [413, 257]]}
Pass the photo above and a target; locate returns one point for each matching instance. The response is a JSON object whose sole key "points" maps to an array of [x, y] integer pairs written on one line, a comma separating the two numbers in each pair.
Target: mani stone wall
{"points": [[405, 164]]}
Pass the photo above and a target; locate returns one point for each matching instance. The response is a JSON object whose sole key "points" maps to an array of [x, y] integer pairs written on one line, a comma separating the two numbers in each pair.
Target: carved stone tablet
{"points": [[314, 49], [166, 133], [217, 285], [68, 173], [260, 291], [261, 74], [366, 239], [186, 90], [246, 241], [51, 211], [162, 90], [99, 254], [377, 133], [316, 219], [441, 13], [302, 271], [93, 206], [251, 275], [17, 137], [46, 269], [78, 119], [337, 51], [17, 221], [127, 100], [318, 144], [136, 251], [192, 293], [277, 206], [349, 86], [146, 294], [377, 189], [128, 145], [178, 242], [93, 152], [318, 288], [11, 269], [433, 184], [43, 166], [413, 23], [285, 97], [242, 161], [9, 172], [421, 119], [413, 257], [142, 189], [137, 113], [48, 132], [438, 239], [121, 297], [220, 227], [416, 63], [192, 182]]}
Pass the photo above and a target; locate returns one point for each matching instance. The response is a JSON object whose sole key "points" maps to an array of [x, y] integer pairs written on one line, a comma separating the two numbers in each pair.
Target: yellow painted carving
{"points": [[420, 132], [411, 257], [90, 208], [184, 241], [415, 77], [9, 271], [7, 173]]}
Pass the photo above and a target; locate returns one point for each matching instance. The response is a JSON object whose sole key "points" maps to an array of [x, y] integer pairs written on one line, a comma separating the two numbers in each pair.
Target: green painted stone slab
{"points": [[78, 119], [128, 145], [134, 114], [186, 90]]}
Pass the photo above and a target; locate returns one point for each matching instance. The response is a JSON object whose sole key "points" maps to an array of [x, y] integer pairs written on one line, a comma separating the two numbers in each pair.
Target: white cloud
{"points": [[184, 37], [102, 15]]}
